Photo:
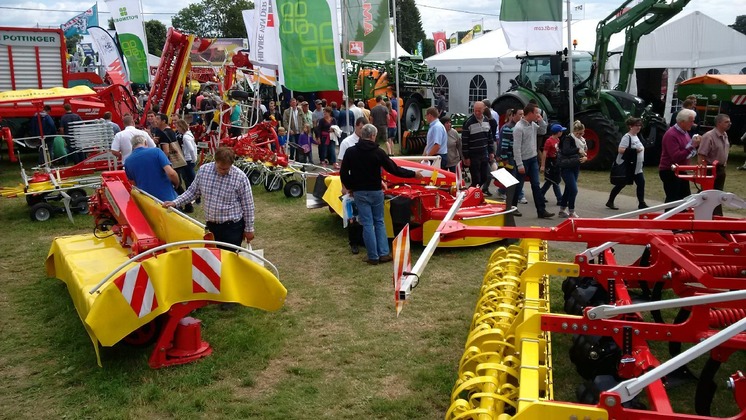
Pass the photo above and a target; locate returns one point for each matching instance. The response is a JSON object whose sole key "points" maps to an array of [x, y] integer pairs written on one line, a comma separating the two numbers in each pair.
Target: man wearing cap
{"points": [[526, 157]]}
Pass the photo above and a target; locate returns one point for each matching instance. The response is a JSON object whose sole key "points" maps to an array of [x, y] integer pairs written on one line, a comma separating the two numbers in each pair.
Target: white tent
{"points": [[695, 44], [483, 67]]}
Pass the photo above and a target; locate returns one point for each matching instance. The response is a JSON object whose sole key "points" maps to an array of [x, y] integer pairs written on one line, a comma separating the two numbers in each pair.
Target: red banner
{"points": [[440, 42]]}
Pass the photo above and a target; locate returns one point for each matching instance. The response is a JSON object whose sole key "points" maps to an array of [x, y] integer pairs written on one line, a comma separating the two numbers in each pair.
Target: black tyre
{"points": [[602, 138], [33, 199], [412, 116], [41, 212], [653, 132], [145, 335], [503, 104], [76, 193], [79, 205], [273, 183], [293, 189], [254, 177]]}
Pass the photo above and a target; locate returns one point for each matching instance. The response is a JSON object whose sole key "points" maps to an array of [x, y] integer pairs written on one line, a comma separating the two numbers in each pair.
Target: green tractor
{"points": [[543, 78]]}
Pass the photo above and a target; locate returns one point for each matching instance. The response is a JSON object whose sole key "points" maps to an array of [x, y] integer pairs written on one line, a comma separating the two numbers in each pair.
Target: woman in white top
{"points": [[630, 140], [190, 151]]}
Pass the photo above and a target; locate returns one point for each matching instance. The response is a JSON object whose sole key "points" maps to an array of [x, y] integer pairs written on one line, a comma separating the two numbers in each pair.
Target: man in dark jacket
{"points": [[70, 117], [478, 143], [361, 175]]}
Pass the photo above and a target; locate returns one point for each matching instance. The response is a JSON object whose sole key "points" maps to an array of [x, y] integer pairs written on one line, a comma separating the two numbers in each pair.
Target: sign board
{"points": [[32, 58]]}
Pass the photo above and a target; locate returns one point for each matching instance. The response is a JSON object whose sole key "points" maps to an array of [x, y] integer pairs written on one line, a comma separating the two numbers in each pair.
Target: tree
{"points": [[409, 24], [155, 31], [213, 18], [71, 43], [740, 24], [429, 48]]}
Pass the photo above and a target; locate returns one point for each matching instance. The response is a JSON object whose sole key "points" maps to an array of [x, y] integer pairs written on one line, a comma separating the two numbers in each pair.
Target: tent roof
{"points": [[695, 40], [490, 52]]}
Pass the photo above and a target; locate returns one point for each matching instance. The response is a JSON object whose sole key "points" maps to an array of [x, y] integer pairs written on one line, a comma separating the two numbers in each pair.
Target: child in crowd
{"points": [[549, 163], [304, 142], [282, 138]]}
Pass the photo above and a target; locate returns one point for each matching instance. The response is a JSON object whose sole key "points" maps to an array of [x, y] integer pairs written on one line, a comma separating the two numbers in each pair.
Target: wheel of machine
{"points": [[273, 183], [654, 130], [76, 193], [79, 205], [33, 199], [145, 335], [41, 212], [602, 138], [293, 189], [502, 105], [412, 117], [255, 177]]}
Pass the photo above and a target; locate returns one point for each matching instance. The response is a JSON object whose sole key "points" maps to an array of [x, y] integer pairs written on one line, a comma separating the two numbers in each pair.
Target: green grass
{"points": [[336, 349]]}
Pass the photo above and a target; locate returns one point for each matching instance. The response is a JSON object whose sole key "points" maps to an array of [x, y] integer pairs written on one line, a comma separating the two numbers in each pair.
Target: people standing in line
{"points": [[631, 140], [190, 152], [361, 176], [676, 149], [327, 150], [525, 135], [151, 171], [65, 121], [573, 151], [393, 125], [437, 138], [121, 146], [714, 147], [454, 154], [549, 168], [228, 201], [293, 123], [506, 155], [477, 143]]}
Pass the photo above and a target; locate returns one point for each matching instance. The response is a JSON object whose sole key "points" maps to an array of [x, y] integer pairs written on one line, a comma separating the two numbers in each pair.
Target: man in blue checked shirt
{"points": [[226, 194]]}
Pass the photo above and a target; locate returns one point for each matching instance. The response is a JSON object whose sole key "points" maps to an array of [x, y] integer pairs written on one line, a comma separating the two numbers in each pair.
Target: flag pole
{"points": [[396, 71], [571, 77], [345, 76]]}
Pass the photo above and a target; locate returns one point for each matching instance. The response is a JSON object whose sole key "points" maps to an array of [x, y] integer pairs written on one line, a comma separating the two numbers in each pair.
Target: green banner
{"points": [[127, 18], [309, 45], [367, 33]]}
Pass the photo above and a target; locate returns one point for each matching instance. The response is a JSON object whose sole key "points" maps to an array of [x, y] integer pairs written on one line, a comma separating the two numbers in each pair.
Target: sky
{"points": [[450, 16]]}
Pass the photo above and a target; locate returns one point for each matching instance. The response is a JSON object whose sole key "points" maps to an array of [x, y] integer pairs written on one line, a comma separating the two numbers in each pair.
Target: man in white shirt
{"points": [[121, 146], [355, 110], [352, 139]]}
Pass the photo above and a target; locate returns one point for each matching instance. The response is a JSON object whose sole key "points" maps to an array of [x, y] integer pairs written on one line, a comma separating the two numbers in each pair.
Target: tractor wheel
{"points": [[412, 116], [79, 205], [293, 189], [502, 105], [602, 138], [255, 177], [76, 193], [41, 212], [273, 182], [653, 132], [33, 199]]}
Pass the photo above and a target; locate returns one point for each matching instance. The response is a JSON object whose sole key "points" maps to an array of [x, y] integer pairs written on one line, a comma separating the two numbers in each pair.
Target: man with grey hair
{"points": [[121, 146], [714, 147], [150, 170], [364, 110], [677, 148], [361, 176]]}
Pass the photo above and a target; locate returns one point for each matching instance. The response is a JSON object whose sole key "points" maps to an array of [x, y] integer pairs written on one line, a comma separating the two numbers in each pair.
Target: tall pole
{"points": [[571, 78], [345, 43], [396, 71]]}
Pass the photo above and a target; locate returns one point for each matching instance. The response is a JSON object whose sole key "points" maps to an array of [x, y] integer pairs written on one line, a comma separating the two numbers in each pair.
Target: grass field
{"points": [[336, 350]]}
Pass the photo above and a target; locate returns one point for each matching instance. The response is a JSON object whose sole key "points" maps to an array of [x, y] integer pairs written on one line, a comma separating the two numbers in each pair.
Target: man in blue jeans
{"points": [[361, 175], [524, 152]]}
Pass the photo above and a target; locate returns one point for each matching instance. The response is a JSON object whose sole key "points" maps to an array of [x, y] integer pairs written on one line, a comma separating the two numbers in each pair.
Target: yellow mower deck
{"points": [[141, 291]]}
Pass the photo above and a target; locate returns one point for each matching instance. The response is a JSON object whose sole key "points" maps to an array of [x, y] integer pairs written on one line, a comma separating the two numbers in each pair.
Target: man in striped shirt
{"points": [[478, 144], [227, 198]]}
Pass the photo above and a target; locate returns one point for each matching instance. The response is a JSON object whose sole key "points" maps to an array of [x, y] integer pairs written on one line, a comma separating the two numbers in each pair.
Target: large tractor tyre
{"points": [[502, 105], [653, 133], [293, 189], [41, 212], [412, 115], [602, 138], [79, 205]]}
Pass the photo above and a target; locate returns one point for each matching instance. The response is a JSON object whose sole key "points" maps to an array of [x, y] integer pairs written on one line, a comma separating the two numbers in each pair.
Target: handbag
{"points": [[175, 156], [620, 174]]}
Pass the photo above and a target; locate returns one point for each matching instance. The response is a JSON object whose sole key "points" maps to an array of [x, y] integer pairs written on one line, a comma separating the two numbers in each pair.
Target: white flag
{"points": [[262, 33]]}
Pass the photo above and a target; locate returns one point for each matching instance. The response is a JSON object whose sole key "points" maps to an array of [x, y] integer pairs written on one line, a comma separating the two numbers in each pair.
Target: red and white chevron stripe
{"points": [[138, 291], [738, 99], [206, 267], [402, 263]]}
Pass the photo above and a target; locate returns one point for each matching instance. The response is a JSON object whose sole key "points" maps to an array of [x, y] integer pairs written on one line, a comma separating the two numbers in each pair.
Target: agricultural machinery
{"points": [[369, 79], [543, 78], [421, 204], [690, 271], [144, 269]]}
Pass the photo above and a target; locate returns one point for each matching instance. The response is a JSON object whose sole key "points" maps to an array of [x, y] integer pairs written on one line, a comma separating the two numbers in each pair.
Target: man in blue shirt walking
{"points": [[437, 138]]}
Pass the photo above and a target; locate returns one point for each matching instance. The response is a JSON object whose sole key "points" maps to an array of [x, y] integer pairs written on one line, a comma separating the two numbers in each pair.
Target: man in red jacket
{"points": [[676, 149]]}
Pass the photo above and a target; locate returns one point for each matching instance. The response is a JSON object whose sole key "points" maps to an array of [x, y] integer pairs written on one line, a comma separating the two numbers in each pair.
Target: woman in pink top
{"points": [[393, 119]]}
